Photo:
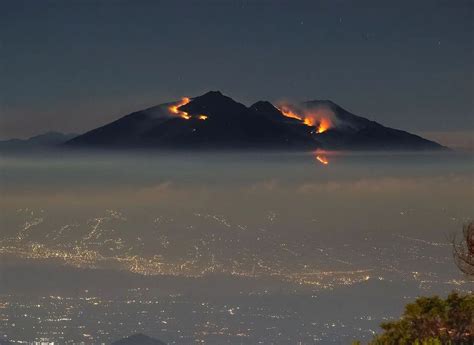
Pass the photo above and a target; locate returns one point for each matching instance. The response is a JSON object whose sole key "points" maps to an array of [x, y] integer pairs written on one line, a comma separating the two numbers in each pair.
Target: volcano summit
{"points": [[215, 121]]}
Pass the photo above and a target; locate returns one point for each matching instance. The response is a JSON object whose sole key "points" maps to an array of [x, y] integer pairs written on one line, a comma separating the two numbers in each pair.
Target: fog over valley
{"points": [[250, 246]]}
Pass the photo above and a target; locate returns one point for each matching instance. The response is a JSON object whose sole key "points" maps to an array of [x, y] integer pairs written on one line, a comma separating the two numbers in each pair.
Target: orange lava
{"points": [[308, 121], [323, 123], [185, 100], [289, 113], [174, 108], [322, 159]]}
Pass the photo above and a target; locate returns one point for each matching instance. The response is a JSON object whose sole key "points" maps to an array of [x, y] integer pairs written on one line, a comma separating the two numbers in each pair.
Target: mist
{"points": [[225, 236]]}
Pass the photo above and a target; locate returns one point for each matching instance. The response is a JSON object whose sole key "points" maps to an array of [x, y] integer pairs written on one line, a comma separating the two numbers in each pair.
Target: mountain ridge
{"points": [[41, 141], [210, 121], [215, 121]]}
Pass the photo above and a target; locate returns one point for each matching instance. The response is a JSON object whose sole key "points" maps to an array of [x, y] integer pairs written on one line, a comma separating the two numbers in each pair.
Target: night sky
{"points": [[74, 65]]}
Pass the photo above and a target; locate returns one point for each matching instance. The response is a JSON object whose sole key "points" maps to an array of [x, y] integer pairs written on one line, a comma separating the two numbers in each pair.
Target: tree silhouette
{"points": [[463, 249], [432, 321]]}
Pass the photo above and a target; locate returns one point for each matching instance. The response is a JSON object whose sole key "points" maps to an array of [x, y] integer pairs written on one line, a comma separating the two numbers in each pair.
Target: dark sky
{"points": [[74, 65]]}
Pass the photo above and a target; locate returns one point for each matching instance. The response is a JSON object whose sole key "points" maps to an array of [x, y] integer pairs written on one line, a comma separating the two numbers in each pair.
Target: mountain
{"points": [[210, 121], [215, 121], [42, 141], [354, 132], [138, 339]]}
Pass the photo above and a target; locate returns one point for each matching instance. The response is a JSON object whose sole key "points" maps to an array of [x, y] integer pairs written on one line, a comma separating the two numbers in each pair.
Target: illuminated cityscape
{"points": [[267, 274], [236, 172]]}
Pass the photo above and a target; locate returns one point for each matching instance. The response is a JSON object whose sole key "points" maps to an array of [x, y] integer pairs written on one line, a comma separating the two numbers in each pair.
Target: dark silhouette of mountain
{"points": [[358, 133], [228, 124], [215, 121], [138, 339], [46, 140]]}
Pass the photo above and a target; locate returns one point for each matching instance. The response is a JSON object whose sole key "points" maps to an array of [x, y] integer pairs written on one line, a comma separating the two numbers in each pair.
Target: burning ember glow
{"points": [[185, 100], [288, 113], [310, 120], [174, 108], [322, 159], [324, 125]]}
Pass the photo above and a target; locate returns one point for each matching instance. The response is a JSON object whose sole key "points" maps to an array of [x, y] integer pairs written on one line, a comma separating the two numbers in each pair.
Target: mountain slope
{"points": [[358, 133], [42, 141], [215, 121]]}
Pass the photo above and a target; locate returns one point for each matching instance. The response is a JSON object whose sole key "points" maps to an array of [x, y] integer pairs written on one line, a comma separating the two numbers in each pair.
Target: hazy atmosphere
{"points": [[236, 172], [226, 248], [73, 65]]}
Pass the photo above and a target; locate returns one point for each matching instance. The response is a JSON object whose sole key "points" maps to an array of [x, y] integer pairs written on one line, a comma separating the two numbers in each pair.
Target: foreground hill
{"points": [[215, 121]]}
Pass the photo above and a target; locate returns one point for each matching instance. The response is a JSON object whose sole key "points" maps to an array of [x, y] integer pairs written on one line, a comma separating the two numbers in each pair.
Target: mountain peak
{"points": [[213, 103], [212, 96], [324, 102], [213, 93], [268, 110], [214, 120], [263, 106]]}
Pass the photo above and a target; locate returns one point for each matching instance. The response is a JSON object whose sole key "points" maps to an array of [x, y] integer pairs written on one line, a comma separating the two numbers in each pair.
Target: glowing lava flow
{"points": [[288, 113], [322, 159], [324, 123], [174, 108], [185, 100]]}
